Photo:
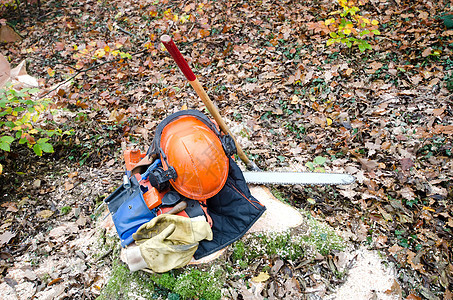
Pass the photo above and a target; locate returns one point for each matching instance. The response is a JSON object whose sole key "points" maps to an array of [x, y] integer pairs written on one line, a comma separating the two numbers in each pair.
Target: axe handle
{"points": [[184, 67], [177, 208]]}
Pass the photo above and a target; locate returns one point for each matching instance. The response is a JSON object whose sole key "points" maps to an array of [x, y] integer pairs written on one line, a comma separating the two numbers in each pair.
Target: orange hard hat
{"points": [[196, 153]]}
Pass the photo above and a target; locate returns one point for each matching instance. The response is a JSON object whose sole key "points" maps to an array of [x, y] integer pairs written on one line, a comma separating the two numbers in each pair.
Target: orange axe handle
{"points": [[184, 67]]}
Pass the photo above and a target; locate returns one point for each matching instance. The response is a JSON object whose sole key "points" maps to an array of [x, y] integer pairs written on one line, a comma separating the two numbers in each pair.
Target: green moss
{"points": [[126, 285], [198, 284], [190, 283], [321, 237], [65, 210], [282, 245], [238, 250]]}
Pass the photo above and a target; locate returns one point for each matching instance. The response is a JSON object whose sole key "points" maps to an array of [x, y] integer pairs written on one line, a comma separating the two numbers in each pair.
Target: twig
{"points": [[104, 255], [191, 28], [123, 30]]}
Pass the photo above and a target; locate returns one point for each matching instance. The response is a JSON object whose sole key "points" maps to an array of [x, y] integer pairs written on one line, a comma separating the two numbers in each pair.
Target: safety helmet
{"points": [[190, 144]]}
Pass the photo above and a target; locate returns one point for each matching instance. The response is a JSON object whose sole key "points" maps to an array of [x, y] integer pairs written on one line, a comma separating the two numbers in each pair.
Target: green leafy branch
{"points": [[20, 111], [349, 28]]}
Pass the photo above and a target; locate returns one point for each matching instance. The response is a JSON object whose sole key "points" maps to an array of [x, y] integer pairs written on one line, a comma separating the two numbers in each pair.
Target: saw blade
{"points": [[304, 178]]}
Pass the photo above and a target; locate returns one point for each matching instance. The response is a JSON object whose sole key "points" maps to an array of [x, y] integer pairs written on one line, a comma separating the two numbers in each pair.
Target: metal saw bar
{"points": [[304, 178]]}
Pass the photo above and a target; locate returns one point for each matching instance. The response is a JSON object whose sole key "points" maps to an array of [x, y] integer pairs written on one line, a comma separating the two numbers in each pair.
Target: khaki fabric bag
{"points": [[169, 241]]}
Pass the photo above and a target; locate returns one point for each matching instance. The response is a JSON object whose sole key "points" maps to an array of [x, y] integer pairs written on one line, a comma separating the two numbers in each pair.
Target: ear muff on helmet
{"points": [[189, 143]]}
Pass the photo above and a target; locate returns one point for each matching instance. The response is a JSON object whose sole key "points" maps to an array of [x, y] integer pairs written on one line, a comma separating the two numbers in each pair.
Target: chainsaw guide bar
{"points": [[304, 178]]}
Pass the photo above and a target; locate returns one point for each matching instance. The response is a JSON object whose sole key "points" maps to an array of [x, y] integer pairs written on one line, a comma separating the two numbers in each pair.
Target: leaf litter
{"points": [[384, 116]]}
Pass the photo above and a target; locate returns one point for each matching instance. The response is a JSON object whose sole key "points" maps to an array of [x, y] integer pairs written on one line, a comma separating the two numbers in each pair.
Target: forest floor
{"points": [[384, 115]]}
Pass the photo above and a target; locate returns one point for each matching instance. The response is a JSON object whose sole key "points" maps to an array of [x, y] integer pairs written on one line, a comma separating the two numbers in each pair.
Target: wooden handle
{"points": [[182, 64], [215, 113], [178, 208]]}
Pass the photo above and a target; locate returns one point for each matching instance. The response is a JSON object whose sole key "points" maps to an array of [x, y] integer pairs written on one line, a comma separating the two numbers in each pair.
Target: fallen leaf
{"points": [[68, 186], [295, 99], [5, 237], [407, 193], [438, 111], [406, 164], [395, 290], [427, 52], [45, 214], [30, 275], [8, 35], [5, 70], [11, 206], [450, 223], [414, 261], [56, 280], [262, 276], [395, 249], [413, 297], [368, 164], [73, 174], [374, 67], [381, 241]]}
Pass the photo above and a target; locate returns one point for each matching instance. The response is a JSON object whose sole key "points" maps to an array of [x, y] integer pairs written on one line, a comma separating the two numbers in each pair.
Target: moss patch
{"points": [[187, 283], [321, 237], [126, 285]]}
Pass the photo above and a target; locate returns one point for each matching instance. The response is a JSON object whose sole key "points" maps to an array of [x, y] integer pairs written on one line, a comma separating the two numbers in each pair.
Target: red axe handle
{"points": [[177, 56], [184, 67]]}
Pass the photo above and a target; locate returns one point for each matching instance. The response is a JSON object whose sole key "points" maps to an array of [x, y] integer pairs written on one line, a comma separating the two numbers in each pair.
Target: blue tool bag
{"points": [[129, 210]]}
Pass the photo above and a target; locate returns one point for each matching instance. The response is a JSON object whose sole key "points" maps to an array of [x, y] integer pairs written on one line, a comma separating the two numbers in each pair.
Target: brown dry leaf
{"points": [[295, 99], [416, 79], [292, 287], [6, 237], [68, 186], [385, 215], [427, 52], [5, 70], [450, 222], [18, 75], [447, 129], [438, 111], [73, 174], [8, 35], [395, 290], [374, 66], [407, 193], [406, 164], [410, 259], [349, 71], [11, 206], [447, 296], [381, 241], [262, 276], [348, 193], [119, 116], [45, 214], [413, 297], [368, 164], [56, 280], [395, 249]]}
